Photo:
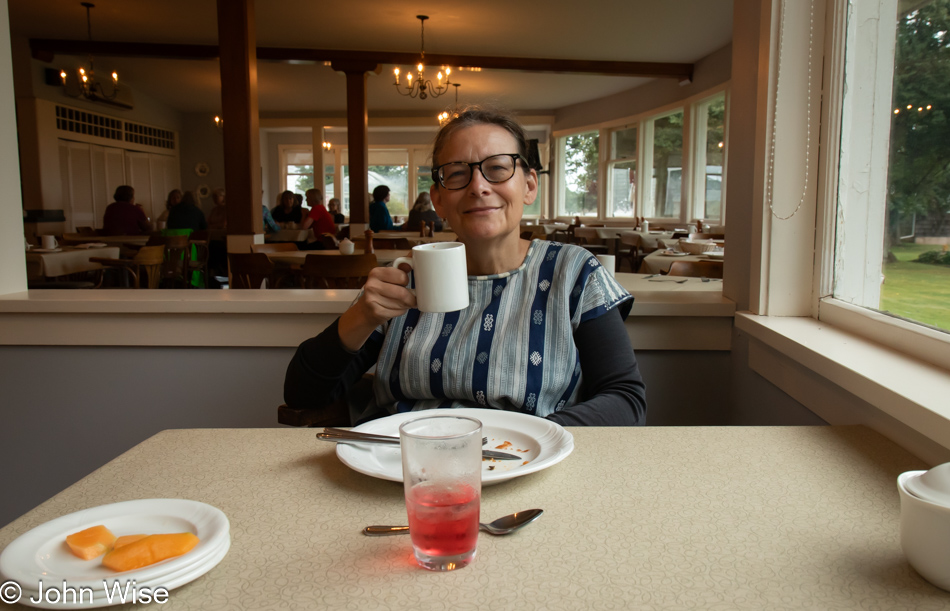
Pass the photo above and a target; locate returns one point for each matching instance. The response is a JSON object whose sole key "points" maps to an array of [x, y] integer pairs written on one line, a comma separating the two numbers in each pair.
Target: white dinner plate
{"points": [[542, 442], [718, 256], [177, 578], [673, 253], [42, 553]]}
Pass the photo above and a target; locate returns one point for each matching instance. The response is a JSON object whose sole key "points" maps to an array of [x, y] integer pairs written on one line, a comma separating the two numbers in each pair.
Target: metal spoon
{"points": [[502, 526]]}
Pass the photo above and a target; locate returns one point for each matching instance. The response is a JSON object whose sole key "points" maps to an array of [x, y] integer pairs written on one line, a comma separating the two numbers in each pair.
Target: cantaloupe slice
{"points": [[151, 549], [126, 539], [90, 543]]}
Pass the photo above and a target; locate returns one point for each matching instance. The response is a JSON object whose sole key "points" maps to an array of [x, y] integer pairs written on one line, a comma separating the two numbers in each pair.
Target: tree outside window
{"points": [[581, 158]]}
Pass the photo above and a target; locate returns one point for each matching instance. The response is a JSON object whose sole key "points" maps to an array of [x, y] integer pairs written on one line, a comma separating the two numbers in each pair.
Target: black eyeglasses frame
{"points": [[437, 178]]}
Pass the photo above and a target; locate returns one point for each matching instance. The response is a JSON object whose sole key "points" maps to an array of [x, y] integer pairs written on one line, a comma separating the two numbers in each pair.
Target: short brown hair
{"points": [[125, 193], [478, 115]]}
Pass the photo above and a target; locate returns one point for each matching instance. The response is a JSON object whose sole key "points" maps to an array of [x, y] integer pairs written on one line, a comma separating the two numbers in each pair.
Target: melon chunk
{"points": [[90, 543], [126, 539], [149, 550]]}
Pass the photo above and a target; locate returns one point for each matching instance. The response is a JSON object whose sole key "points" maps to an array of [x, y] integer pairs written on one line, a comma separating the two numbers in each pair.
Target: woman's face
{"points": [[483, 211], [175, 198], [287, 201]]}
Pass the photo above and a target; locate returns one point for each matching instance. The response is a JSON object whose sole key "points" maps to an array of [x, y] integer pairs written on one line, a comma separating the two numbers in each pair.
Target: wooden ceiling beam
{"points": [[46, 49]]}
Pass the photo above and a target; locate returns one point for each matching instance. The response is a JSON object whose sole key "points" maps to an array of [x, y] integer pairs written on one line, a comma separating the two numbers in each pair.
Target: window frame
{"points": [[282, 151], [697, 186]]}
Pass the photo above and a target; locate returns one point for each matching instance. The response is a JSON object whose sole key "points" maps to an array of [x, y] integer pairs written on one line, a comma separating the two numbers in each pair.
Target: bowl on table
{"points": [[696, 247], [925, 533]]}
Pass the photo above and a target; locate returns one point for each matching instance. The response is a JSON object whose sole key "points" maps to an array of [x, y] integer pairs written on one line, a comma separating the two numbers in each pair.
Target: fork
{"points": [[358, 435]]}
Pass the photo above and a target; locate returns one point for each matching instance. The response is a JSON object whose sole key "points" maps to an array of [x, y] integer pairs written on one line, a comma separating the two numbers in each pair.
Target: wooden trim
{"points": [[47, 48]]}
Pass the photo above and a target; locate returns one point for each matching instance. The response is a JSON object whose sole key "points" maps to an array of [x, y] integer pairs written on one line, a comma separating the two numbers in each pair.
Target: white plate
{"points": [[46, 250], [180, 577], [673, 253], [42, 553], [719, 256], [543, 443]]}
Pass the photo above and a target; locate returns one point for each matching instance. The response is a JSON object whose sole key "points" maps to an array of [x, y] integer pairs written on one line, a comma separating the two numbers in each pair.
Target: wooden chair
{"points": [[696, 269], [708, 236], [527, 235], [250, 270], [336, 272], [281, 275], [177, 250], [196, 261], [590, 239], [148, 259], [680, 234], [633, 254]]}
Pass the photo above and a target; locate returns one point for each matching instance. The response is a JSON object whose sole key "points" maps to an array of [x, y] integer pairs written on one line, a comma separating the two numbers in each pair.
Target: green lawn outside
{"points": [[918, 291]]}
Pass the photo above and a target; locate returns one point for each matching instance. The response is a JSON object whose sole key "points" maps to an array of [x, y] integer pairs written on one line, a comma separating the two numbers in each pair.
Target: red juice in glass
{"points": [[443, 518]]}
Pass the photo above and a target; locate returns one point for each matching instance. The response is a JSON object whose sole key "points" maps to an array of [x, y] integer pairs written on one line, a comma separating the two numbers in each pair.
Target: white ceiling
{"points": [[617, 30]]}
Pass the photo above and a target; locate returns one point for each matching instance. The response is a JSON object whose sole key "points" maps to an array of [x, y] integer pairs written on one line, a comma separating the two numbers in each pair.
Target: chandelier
{"points": [[416, 84], [444, 116], [88, 87]]}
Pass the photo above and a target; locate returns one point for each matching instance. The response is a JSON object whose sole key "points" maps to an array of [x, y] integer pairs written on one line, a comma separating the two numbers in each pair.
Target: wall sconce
{"points": [[327, 146], [218, 122]]}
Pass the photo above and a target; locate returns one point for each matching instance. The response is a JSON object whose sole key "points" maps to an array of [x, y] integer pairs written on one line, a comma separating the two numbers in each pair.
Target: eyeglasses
{"points": [[458, 174]]}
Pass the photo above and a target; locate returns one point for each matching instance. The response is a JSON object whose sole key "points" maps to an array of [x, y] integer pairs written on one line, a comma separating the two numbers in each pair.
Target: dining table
{"points": [[750, 517], [414, 238], [297, 257], [66, 260], [289, 235], [542, 231], [659, 261], [110, 240]]}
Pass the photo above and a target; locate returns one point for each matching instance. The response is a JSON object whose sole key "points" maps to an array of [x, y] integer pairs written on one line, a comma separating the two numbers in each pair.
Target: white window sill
{"points": [[909, 391]]}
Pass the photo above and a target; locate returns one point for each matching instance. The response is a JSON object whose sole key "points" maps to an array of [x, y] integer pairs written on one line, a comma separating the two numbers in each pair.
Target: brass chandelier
{"points": [[86, 85], [416, 84]]}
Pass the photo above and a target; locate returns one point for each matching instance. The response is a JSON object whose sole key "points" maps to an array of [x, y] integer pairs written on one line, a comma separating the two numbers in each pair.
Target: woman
{"points": [[218, 218], [287, 212], [174, 198], [543, 334], [422, 212], [333, 206]]}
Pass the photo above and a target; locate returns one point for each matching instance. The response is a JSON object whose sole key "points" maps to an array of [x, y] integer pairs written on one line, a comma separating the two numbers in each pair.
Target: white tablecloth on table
{"points": [[70, 260], [657, 262]]}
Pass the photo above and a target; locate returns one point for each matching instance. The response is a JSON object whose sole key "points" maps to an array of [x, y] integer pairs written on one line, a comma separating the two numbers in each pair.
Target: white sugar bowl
{"points": [[346, 247], [925, 533]]}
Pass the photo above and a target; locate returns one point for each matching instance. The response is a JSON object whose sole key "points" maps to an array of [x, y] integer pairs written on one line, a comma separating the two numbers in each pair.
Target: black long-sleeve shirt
{"points": [[612, 394]]}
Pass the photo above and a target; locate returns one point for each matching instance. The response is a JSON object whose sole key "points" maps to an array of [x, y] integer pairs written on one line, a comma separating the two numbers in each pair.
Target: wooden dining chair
{"points": [[249, 270], [282, 275], [148, 260], [336, 272], [176, 252], [588, 238], [274, 247], [696, 269], [196, 261], [633, 253]]}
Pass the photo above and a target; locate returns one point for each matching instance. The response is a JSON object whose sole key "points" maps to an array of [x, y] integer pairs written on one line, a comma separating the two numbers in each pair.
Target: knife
{"points": [[351, 437]]}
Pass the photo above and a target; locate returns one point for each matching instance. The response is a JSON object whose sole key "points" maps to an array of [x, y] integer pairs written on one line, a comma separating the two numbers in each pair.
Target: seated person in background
{"points": [[187, 214], [319, 218], [287, 213], [270, 225], [218, 219], [559, 351], [124, 216], [333, 207], [379, 219], [422, 211], [174, 197]]}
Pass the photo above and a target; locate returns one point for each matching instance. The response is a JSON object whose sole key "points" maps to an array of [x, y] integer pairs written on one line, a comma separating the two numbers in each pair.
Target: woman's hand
{"points": [[385, 296]]}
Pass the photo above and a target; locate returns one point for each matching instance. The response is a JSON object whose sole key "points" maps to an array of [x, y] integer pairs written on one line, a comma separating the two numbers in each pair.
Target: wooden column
{"points": [[237, 40], [357, 136]]}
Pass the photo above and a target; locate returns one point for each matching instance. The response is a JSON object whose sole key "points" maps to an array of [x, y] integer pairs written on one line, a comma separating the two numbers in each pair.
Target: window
{"points": [[665, 197], [709, 146], [580, 160], [388, 167], [296, 168], [622, 173]]}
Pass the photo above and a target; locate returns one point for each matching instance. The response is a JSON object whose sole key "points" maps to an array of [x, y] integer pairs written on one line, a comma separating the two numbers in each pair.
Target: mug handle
{"points": [[407, 261]]}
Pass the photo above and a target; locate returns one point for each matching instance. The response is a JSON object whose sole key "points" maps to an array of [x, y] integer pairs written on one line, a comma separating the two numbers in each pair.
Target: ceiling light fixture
{"points": [[417, 85], [86, 85], [444, 116], [218, 122], [327, 146]]}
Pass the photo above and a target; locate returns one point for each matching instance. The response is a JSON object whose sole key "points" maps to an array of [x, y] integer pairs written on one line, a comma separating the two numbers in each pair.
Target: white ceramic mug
{"points": [[49, 242], [609, 262], [440, 274], [925, 534]]}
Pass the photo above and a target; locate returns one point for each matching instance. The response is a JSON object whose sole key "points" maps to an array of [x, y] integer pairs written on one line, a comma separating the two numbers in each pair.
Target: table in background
{"points": [[289, 235], [69, 260], [111, 240], [413, 236], [657, 262], [543, 230], [646, 517], [297, 257]]}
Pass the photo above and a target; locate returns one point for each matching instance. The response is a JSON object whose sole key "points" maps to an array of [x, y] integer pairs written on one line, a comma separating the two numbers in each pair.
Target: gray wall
{"points": [[67, 411], [201, 141]]}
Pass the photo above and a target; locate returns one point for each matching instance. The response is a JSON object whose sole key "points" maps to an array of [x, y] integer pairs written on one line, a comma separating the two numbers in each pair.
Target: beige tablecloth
{"points": [[69, 260], [659, 262], [636, 518]]}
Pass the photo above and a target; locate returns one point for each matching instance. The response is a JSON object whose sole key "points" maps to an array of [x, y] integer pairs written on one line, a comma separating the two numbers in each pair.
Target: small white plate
{"points": [[673, 253], [718, 256], [543, 443], [42, 553]]}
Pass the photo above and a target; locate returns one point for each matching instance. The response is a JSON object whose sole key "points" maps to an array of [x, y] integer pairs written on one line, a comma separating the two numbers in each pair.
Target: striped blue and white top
{"points": [[512, 348]]}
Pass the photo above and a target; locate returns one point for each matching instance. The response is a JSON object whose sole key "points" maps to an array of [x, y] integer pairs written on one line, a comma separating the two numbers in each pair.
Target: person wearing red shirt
{"points": [[319, 218], [124, 216]]}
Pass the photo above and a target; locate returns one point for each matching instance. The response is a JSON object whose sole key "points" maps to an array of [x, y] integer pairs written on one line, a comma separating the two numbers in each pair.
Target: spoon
{"points": [[502, 526], [932, 485]]}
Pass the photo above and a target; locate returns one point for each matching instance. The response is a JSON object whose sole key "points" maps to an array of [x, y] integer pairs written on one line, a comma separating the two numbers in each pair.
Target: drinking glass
{"points": [[442, 475]]}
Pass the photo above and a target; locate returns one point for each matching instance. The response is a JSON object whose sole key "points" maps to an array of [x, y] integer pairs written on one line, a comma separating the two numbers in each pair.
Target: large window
{"points": [[666, 186], [891, 252], [710, 148], [580, 166], [622, 173], [296, 168], [389, 167]]}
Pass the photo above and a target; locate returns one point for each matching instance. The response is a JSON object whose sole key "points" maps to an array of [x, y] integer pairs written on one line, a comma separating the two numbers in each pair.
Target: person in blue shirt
{"points": [[379, 218]]}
